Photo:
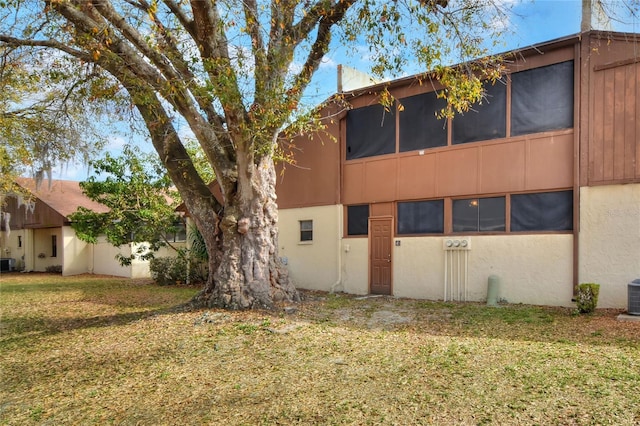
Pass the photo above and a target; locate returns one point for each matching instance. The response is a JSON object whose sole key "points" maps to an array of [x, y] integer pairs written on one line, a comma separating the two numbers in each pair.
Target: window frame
{"points": [[54, 246], [349, 220], [430, 202], [305, 232]]}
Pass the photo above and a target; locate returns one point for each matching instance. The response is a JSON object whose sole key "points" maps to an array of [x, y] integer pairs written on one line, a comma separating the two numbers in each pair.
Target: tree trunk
{"points": [[248, 272]]}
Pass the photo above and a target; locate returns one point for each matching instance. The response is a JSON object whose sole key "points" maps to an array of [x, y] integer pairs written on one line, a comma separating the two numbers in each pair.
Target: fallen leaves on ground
{"points": [[98, 350]]}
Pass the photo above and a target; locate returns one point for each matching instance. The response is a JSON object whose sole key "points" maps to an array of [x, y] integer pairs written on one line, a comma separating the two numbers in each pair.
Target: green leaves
{"points": [[140, 198]]}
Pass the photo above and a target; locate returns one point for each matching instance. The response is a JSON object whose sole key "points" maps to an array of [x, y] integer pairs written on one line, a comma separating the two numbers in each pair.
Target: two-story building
{"points": [[539, 185]]}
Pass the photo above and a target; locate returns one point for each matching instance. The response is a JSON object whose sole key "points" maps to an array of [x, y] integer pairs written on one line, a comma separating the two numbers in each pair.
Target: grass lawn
{"points": [[96, 350]]}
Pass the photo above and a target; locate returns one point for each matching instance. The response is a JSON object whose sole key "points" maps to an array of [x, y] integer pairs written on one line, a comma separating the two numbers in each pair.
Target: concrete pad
{"points": [[627, 317]]}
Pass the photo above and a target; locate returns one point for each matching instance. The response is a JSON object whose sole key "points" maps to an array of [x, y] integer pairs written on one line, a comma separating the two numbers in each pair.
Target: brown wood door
{"points": [[381, 232]]}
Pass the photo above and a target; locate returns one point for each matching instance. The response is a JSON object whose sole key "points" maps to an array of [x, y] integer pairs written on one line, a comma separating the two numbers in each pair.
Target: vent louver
{"points": [[634, 297]]}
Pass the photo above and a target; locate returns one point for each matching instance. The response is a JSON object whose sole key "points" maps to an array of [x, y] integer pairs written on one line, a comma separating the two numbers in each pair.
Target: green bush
{"points": [[173, 270], [54, 269], [587, 298]]}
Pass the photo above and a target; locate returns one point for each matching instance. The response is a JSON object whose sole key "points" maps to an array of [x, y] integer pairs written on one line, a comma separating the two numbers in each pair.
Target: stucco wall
{"points": [[9, 247], [42, 248], [76, 253], [534, 269], [105, 262], [610, 240], [355, 265], [313, 264]]}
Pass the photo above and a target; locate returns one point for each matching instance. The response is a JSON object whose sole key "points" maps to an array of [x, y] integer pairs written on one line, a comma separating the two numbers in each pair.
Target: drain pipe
{"points": [[338, 282]]}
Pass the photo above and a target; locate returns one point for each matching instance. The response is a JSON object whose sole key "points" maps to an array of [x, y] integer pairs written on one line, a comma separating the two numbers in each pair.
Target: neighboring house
{"points": [[539, 185], [37, 234]]}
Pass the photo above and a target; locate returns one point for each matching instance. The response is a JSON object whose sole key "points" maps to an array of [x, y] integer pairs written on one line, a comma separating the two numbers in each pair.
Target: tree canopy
{"points": [[45, 120], [234, 73], [141, 202]]}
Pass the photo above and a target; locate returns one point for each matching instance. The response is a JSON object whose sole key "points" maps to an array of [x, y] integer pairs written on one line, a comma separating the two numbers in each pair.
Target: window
{"points": [[479, 214], [485, 121], [54, 246], [542, 99], [306, 230], [419, 126], [358, 220], [546, 211], [370, 131], [178, 233], [421, 217], [19, 241]]}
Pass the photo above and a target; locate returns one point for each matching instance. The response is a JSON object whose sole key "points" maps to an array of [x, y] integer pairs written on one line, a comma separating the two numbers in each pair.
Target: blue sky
{"points": [[531, 21]]}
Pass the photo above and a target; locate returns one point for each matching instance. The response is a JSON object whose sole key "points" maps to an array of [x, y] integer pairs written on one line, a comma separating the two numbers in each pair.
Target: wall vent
{"points": [[634, 297], [456, 268]]}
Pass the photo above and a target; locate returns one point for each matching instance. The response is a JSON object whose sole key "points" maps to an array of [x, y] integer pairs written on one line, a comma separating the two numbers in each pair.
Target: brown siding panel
{"points": [[550, 162], [613, 152], [458, 172], [417, 177], [377, 183], [629, 117], [502, 167]]}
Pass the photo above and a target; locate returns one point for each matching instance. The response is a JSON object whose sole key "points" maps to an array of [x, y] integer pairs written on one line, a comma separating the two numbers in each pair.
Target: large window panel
{"points": [[547, 211], [358, 220], [370, 131], [421, 217], [419, 126], [542, 99], [484, 121], [479, 215]]}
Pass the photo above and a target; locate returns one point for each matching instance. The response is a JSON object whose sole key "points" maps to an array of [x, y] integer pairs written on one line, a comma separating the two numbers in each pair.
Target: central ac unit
{"points": [[634, 297]]}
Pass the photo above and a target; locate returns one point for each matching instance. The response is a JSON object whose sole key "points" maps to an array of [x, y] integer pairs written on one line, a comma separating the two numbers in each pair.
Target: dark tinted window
{"points": [[484, 121], [547, 211], [421, 217], [370, 131], [542, 99], [479, 214], [358, 220], [419, 126], [306, 230]]}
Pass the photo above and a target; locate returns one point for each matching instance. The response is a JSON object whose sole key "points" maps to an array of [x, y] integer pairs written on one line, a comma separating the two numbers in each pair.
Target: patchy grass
{"points": [[95, 350]]}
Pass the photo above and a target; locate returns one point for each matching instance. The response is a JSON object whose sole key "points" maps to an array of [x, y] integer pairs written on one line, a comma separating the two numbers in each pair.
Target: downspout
{"points": [[338, 282], [340, 212], [581, 86], [91, 257]]}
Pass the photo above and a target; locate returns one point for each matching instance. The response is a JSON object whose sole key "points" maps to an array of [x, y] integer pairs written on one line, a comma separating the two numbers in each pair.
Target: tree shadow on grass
{"points": [[21, 330]]}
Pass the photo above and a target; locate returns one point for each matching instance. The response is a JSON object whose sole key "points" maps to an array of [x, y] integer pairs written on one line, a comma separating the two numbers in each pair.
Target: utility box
{"points": [[634, 297], [7, 264]]}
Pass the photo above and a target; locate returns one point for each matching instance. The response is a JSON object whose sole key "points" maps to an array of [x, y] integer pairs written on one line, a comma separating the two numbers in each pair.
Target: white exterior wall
{"points": [[105, 262], [533, 269], [42, 248], [355, 255], [9, 247], [76, 253], [312, 265], [610, 240]]}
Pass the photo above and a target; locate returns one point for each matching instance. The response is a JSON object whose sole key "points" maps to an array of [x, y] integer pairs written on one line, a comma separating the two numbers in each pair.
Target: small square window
{"points": [[306, 230], [358, 220]]}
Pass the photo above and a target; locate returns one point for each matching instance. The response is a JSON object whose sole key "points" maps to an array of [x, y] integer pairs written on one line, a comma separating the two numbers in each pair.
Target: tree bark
{"points": [[248, 272]]}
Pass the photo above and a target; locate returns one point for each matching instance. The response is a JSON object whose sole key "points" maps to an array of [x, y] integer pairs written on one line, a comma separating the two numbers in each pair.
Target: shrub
{"points": [[54, 269], [587, 298], [173, 270]]}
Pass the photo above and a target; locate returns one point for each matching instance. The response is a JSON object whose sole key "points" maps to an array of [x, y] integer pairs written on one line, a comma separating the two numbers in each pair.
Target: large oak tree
{"points": [[235, 73]]}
